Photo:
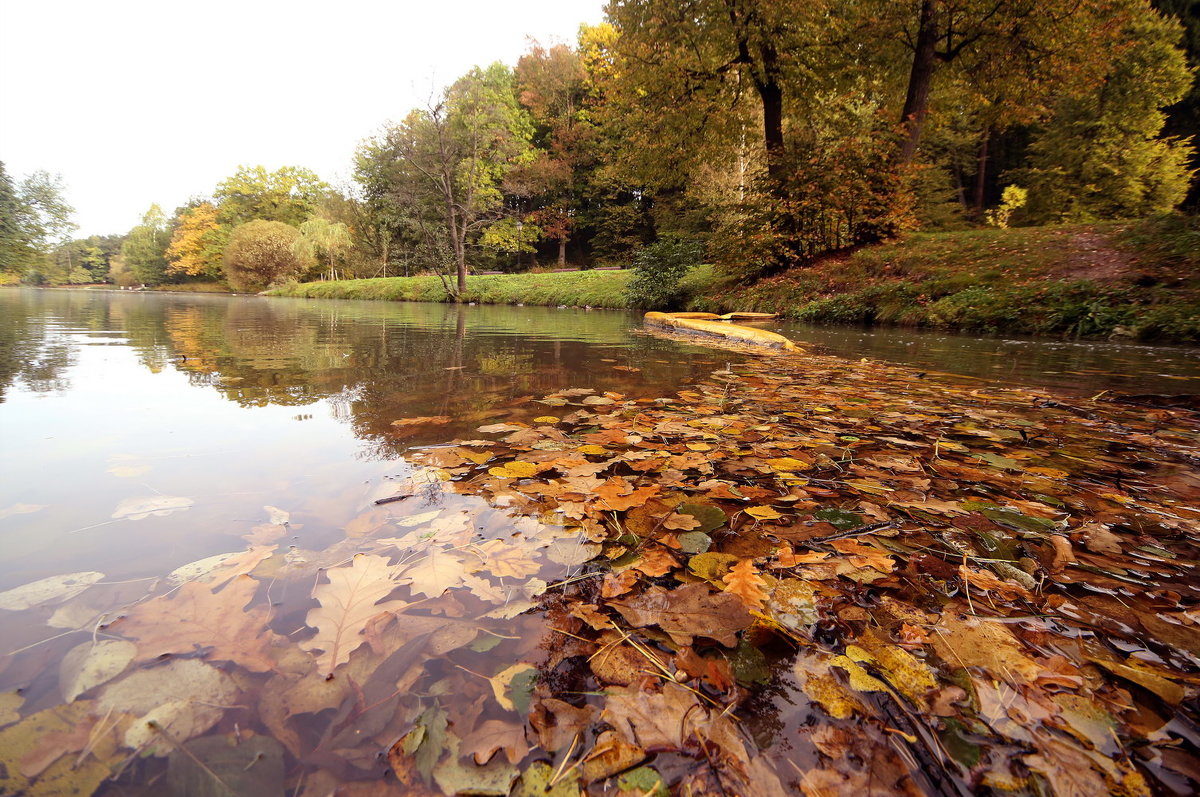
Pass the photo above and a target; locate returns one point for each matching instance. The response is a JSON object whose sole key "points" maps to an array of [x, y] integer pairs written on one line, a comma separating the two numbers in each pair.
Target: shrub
{"points": [[260, 253], [658, 273]]}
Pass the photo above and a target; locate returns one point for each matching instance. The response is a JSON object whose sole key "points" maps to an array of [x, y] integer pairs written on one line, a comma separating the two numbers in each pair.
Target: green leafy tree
{"points": [[145, 248], [260, 253], [1100, 156], [440, 173], [658, 271], [289, 195], [325, 243], [35, 218]]}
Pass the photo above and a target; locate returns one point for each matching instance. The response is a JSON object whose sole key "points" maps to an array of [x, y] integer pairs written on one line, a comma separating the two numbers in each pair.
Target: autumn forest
{"points": [[460, 544]]}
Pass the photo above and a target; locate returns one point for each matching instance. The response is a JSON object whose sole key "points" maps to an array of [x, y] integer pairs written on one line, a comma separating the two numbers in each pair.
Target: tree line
{"points": [[772, 132]]}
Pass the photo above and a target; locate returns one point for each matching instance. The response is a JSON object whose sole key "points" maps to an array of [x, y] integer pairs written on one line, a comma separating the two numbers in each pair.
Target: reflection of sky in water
{"points": [[239, 403]]}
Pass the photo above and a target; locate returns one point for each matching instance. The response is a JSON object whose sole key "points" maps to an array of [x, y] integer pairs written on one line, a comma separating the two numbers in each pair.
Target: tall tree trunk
{"points": [[981, 172], [772, 103], [562, 252], [920, 78]]}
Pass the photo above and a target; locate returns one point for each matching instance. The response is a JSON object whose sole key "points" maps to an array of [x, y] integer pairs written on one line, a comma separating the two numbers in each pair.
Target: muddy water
{"points": [[143, 434]]}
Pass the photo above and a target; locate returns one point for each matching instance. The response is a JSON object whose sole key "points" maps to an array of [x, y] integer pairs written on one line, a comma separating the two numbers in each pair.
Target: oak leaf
{"points": [[434, 573], [743, 580], [195, 617], [348, 601], [492, 736], [688, 612]]}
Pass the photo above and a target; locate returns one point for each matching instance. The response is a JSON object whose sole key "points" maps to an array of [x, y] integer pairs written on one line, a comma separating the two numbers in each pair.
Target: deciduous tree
{"points": [[198, 242], [145, 248], [260, 253], [289, 194]]}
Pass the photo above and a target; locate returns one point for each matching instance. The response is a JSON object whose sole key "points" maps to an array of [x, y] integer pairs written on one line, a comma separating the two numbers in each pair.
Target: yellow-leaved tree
{"points": [[198, 243]]}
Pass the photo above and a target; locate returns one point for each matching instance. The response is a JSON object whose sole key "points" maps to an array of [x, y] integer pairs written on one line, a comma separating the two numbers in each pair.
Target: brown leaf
{"points": [[557, 722], [493, 735], [653, 721], [655, 561], [196, 617], [423, 421], [618, 583], [688, 612], [611, 755], [1063, 555]]}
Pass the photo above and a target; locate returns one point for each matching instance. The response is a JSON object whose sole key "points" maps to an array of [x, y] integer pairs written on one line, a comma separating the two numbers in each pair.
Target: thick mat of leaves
{"points": [[927, 587]]}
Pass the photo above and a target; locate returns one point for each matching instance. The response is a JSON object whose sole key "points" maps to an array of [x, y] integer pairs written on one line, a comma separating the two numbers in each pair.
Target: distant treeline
{"points": [[773, 132]]}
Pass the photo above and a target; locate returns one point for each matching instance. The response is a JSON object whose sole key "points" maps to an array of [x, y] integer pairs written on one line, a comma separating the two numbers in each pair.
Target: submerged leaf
{"points": [[348, 601], [47, 590]]}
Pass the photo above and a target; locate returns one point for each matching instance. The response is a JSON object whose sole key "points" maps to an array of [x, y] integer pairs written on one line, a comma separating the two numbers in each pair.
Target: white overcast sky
{"points": [[141, 101]]}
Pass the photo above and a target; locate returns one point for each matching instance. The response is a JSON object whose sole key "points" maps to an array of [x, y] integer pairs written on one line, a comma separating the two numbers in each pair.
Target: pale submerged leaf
{"points": [[47, 590], [138, 508], [91, 664]]}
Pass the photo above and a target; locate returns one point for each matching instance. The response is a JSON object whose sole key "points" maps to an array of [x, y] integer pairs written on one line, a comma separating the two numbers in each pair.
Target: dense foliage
{"points": [[658, 272], [260, 253], [775, 133]]}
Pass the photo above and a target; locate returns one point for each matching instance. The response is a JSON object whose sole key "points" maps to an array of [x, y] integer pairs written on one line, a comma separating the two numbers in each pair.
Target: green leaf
{"points": [[840, 519], [710, 517]]}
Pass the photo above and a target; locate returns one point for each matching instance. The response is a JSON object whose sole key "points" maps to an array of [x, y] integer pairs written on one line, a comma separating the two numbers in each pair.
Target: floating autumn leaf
{"points": [[196, 618], [687, 612], [507, 560], [493, 736], [175, 701], [219, 568], [788, 464], [744, 581], [515, 470], [762, 513], [430, 420], [433, 573], [90, 664], [348, 601], [53, 769], [20, 509]]}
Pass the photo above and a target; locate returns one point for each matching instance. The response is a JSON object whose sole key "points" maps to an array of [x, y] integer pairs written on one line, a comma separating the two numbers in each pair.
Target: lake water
{"points": [[144, 432]]}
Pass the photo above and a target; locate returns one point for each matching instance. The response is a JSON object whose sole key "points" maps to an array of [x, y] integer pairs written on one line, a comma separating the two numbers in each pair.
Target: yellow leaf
{"points": [[788, 464], [515, 470], [1053, 473], [763, 513], [545, 419], [502, 680], [478, 457], [590, 449], [699, 446]]}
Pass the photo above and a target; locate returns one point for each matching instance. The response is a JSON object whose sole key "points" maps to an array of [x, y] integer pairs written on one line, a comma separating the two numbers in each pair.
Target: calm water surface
{"points": [[143, 432]]}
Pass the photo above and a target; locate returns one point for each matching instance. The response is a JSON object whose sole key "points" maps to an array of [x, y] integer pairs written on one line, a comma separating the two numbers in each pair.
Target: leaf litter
{"points": [[802, 575]]}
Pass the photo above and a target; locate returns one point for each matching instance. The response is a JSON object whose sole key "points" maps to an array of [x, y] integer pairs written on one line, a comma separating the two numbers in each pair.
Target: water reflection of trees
{"points": [[32, 353], [372, 363]]}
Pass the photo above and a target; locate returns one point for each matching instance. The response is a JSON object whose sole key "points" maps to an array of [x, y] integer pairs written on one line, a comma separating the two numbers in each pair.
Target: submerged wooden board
{"points": [[704, 324]]}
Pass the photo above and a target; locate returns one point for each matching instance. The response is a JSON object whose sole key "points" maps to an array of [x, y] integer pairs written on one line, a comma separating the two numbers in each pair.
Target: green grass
{"points": [[1042, 281], [574, 288]]}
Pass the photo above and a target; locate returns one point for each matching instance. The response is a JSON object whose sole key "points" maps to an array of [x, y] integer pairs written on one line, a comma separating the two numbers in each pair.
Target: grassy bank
{"points": [[1128, 279], [1139, 280], [573, 288]]}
